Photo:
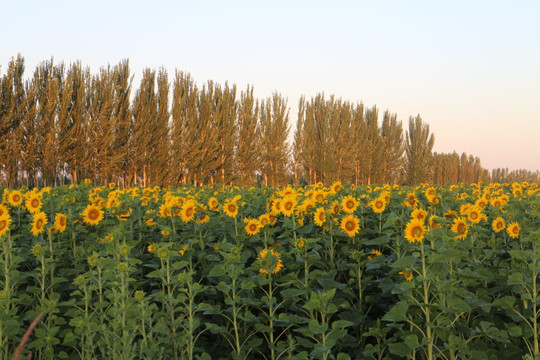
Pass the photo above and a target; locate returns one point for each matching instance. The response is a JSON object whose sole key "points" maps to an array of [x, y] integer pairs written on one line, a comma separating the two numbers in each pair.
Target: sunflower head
{"points": [[498, 224], [350, 225], [33, 203], [513, 230], [15, 198], [60, 222], [460, 228], [39, 221], [92, 214], [319, 216], [349, 204], [252, 227], [269, 261], [378, 205], [5, 221], [415, 231]]}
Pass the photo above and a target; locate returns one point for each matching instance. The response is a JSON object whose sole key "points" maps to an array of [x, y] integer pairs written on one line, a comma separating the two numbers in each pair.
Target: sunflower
{"points": [[378, 205], [60, 222], [92, 214], [474, 215], [264, 220], [188, 211], [419, 214], [308, 204], [407, 274], [203, 219], [411, 200], [350, 225], [183, 249], [415, 231], [33, 203], [498, 224], [151, 248], [319, 195], [165, 211], [336, 187], [349, 204], [287, 205], [231, 209], [252, 227], [3, 210], [434, 224], [335, 208], [513, 230], [269, 261], [213, 204], [275, 205], [39, 221], [460, 227], [5, 221], [320, 216], [464, 209], [374, 254], [15, 198], [496, 202]]}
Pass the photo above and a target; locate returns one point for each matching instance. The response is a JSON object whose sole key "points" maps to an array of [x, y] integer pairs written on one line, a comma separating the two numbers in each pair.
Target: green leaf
{"points": [[341, 324], [412, 342], [397, 313], [316, 328], [515, 278], [399, 349]]}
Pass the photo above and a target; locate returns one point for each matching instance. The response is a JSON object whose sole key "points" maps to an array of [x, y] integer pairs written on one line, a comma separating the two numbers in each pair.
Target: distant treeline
{"points": [[64, 124]]}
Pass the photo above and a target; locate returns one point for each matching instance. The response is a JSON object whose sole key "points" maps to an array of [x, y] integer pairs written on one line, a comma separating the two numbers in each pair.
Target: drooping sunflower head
{"points": [[350, 225], [374, 254], [407, 274], [92, 214], [269, 261]]}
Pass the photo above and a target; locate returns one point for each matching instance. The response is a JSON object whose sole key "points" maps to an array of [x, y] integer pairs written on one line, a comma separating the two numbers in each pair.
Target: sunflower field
{"points": [[316, 272]]}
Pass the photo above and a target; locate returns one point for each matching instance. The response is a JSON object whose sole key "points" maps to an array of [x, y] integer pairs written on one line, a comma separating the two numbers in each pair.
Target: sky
{"points": [[470, 69]]}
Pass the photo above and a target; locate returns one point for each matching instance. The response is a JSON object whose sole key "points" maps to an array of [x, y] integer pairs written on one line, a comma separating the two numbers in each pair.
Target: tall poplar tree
{"points": [[418, 151], [248, 139], [275, 152]]}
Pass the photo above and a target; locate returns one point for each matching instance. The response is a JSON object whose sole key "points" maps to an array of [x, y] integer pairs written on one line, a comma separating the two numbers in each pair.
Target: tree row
{"points": [[63, 124]]}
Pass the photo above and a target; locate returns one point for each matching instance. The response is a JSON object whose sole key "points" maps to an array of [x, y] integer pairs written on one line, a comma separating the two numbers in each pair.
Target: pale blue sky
{"points": [[471, 69]]}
